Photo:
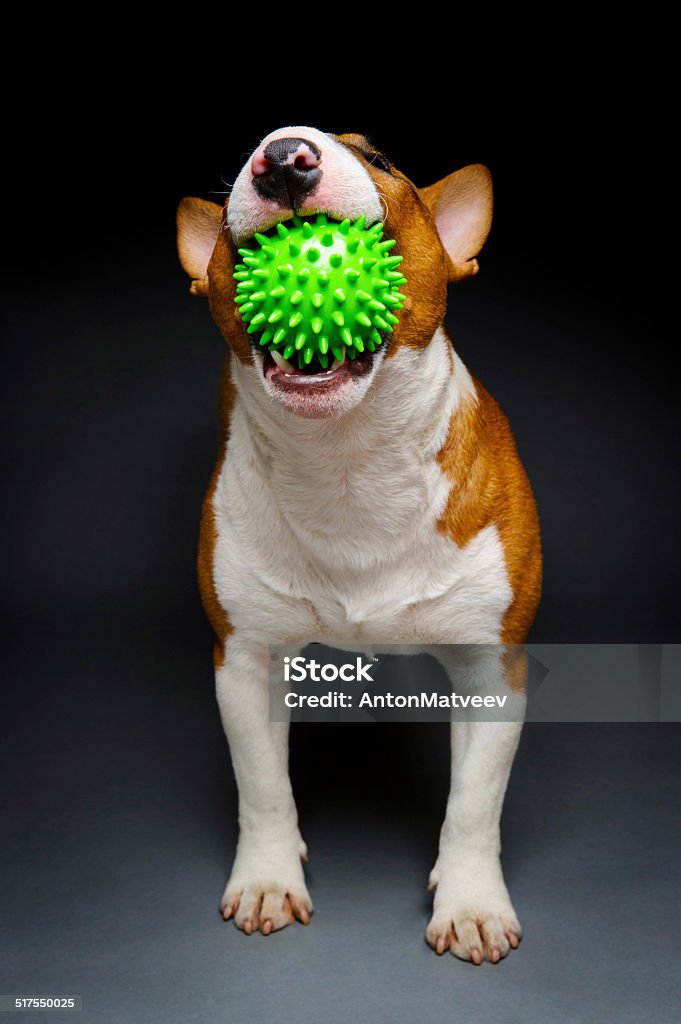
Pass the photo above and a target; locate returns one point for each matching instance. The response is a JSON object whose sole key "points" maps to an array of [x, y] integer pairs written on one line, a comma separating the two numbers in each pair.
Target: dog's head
{"points": [[297, 170]]}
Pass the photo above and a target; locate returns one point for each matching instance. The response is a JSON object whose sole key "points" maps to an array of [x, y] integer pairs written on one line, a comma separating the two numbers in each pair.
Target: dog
{"points": [[382, 499]]}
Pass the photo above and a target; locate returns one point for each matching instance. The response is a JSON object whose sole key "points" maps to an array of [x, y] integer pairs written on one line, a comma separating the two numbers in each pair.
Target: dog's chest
{"points": [[353, 552]]}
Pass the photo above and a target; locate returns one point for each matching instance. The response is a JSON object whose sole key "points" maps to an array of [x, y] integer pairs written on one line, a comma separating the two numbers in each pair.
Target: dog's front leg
{"points": [[472, 913], [266, 888]]}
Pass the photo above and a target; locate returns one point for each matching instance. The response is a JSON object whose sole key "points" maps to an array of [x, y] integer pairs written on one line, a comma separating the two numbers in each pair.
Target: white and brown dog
{"points": [[408, 446]]}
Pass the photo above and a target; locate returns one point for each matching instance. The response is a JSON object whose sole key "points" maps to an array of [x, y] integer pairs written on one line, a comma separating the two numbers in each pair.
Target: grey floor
{"points": [[119, 825]]}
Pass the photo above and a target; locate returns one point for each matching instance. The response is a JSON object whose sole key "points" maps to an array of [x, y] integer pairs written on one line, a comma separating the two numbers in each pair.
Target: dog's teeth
{"points": [[336, 363], [282, 363]]}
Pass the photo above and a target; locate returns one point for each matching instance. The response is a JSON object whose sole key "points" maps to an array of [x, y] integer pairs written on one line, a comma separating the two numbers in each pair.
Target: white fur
{"points": [[326, 530]]}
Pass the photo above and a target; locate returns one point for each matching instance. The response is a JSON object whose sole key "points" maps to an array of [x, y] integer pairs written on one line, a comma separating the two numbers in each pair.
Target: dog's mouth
{"points": [[281, 373], [318, 296]]}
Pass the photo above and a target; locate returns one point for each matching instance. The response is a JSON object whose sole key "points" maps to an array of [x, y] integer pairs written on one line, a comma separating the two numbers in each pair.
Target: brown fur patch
{"points": [[217, 616], [410, 223], [515, 663], [221, 294], [491, 487]]}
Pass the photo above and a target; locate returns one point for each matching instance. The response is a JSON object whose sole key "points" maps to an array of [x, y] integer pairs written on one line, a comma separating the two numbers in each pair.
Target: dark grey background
{"points": [[119, 810]]}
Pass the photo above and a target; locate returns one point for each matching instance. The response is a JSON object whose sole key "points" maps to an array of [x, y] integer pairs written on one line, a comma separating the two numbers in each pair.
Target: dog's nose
{"points": [[286, 171]]}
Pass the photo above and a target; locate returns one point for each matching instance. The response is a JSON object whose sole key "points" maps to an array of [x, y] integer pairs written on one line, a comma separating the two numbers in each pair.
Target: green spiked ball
{"points": [[311, 285]]}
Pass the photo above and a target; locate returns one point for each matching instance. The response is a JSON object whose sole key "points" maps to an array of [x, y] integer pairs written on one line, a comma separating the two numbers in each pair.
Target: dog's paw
{"points": [[474, 933], [266, 906], [266, 890], [474, 922]]}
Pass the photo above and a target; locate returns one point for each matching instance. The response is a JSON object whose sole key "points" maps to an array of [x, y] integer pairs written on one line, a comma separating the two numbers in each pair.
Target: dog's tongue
{"points": [[286, 367]]}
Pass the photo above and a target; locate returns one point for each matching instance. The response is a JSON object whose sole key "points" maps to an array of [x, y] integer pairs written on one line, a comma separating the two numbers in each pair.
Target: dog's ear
{"points": [[198, 224], [461, 205]]}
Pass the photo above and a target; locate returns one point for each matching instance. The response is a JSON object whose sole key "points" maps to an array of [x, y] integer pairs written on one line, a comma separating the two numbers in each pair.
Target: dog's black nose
{"points": [[286, 171]]}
